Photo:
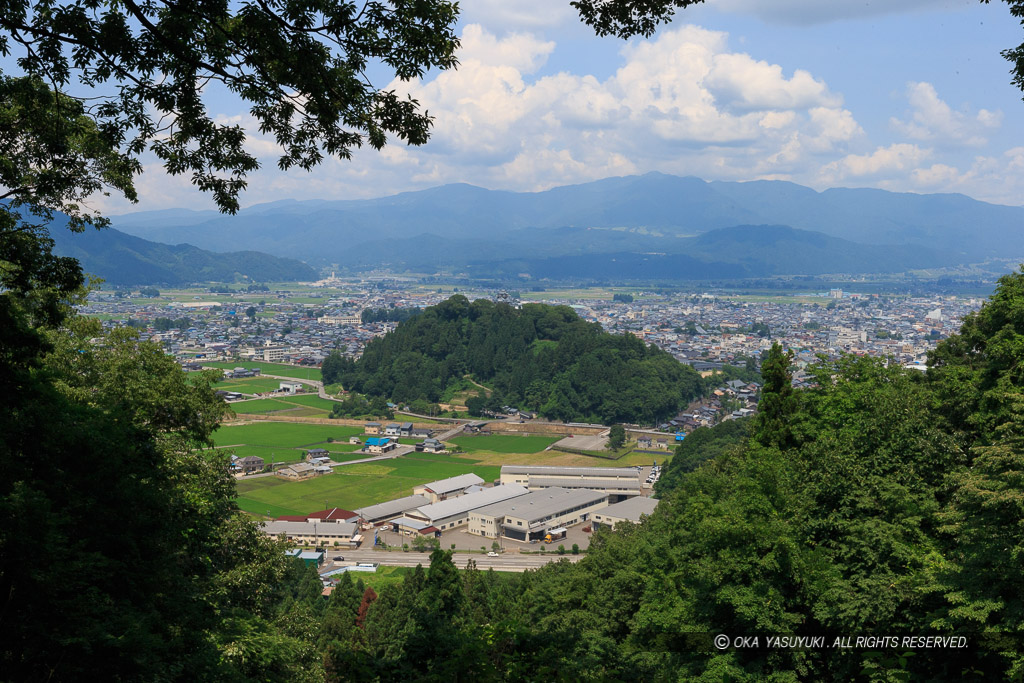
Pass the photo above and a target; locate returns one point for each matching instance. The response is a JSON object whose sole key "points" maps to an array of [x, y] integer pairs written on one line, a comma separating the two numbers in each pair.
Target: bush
{"points": [[405, 547], [575, 548], [561, 549]]}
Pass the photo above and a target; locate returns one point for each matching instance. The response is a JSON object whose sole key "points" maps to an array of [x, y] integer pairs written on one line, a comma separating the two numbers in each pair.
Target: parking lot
{"points": [[464, 540]]}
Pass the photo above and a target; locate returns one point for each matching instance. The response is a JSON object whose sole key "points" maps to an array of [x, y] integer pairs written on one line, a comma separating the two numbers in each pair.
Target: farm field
{"points": [[364, 484], [250, 385], [351, 486], [505, 443], [263, 406], [278, 369], [285, 434]]}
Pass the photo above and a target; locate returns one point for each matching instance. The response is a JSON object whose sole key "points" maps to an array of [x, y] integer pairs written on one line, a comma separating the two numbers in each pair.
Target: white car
{"points": [[492, 554]]}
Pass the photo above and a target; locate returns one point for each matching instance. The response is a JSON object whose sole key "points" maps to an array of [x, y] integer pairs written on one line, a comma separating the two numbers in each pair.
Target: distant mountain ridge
{"points": [[123, 259], [358, 232], [727, 253]]}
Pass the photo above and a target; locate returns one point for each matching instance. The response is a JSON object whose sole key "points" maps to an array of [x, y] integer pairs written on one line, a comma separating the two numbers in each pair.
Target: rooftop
{"points": [[392, 507], [542, 470], [470, 501], [450, 484], [586, 483], [544, 503], [631, 509]]}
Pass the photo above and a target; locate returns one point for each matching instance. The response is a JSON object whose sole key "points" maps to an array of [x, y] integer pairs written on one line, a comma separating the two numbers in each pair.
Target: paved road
{"points": [[509, 562]]}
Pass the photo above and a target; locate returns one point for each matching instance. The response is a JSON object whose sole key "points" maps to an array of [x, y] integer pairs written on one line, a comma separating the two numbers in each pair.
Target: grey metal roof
{"points": [[392, 508], [470, 501], [586, 483], [547, 470], [414, 524], [539, 504], [631, 509], [309, 528], [457, 483]]}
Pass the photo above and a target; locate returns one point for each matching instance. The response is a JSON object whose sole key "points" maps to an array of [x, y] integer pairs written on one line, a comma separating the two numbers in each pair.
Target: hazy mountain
{"points": [[658, 205], [127, 260], [726, 253]]}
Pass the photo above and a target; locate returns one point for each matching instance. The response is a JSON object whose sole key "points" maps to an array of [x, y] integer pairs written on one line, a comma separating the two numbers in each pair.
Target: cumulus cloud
{"points": [[898, 158], [931, 119], [684, 102], [680, 103]]}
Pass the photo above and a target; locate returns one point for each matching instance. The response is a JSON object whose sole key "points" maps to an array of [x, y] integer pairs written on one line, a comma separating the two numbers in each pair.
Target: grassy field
{"points": [[365, 484], [269, 369], [285, 434], [309, 400], [302, 405], [250, 385], [264, 406], [384, 576], [352, 486], [505, 443]]}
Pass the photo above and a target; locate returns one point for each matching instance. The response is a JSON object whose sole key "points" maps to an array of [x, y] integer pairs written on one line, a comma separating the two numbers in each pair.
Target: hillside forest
{"points": [[541, 358], [880, 502]]}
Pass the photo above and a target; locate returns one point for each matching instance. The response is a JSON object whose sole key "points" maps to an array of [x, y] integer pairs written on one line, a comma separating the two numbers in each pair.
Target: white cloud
{"points": [[680, 103], [895, 159], [520, 51], [931, 119], [684, 102]]}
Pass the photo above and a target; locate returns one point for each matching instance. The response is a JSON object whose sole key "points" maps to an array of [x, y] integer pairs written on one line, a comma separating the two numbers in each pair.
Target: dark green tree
{"points": [[299, 66], [779, 403], [616, 437]]}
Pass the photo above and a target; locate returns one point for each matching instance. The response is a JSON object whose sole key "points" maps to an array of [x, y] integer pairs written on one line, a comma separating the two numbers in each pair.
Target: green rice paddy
{"points": [[352, 486], [279, 369], [505, 443]]}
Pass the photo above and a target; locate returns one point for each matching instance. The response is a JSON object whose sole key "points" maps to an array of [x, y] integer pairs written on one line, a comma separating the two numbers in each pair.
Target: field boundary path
{"points": [[397, 453], [453, 420], [450, 433]]}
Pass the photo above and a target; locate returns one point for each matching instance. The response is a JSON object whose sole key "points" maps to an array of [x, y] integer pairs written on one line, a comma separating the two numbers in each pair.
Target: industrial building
{"points": [[383, 512], [531, 517], [448, 514], [451, 487], [632, 510], [319, 534], [619, 483]]}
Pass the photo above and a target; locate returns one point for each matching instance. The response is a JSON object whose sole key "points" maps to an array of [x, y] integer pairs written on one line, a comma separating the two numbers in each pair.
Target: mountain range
{"points": [[630, 226], [122, 259]]}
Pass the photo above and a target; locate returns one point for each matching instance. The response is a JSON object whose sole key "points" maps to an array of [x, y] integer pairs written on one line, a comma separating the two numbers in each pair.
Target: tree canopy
{"points": [[127, 77], [542, 358]]}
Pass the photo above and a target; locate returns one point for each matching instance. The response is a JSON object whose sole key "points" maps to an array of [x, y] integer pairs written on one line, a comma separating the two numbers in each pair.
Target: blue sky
{"points": [[905, 95]]}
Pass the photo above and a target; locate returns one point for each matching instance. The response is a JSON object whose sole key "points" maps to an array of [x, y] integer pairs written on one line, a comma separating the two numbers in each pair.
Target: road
{"points": [[509, 562]]}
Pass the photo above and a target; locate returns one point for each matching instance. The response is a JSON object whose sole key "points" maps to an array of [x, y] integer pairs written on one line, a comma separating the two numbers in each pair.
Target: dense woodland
{"points": [[881, 502], [542, 358]]}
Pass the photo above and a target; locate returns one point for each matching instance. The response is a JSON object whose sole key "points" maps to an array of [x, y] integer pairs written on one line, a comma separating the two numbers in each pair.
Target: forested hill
{"points": [[542, 358]]}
